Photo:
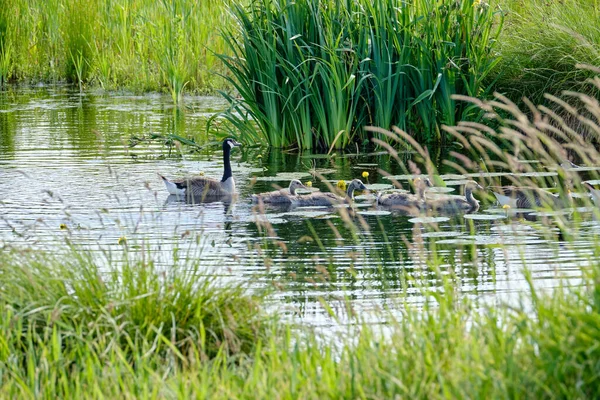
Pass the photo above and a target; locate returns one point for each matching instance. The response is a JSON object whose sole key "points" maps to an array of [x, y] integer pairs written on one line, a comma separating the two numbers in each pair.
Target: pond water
{"points": [[68, 172]]}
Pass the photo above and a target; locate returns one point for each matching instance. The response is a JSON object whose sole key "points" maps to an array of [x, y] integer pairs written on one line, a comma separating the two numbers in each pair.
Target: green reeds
{"points": [[139, 45], [543, 43], [312, 73]]}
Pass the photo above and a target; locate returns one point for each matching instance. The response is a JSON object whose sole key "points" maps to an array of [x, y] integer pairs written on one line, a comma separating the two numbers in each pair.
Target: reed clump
{"points": [[313, 73], [56, 309]]}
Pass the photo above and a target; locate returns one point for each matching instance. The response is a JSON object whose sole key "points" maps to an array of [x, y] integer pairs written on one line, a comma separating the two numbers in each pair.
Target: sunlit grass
{"points": [[140, 45], [542, 43]]}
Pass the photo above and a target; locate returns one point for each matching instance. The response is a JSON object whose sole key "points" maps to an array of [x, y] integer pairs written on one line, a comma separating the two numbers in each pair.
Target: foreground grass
{"points": [[69, 331]]}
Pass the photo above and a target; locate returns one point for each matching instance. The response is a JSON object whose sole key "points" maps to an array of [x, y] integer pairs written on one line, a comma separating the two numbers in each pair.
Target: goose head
{"points": [[230, 143], [356, 184], [421, 185], [472, 185], [296, 184]]}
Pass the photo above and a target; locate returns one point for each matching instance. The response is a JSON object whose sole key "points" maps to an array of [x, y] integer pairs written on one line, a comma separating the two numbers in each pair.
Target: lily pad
{"points": [[528, 161], [379, 186], [323, 171], [250, 170], [452, 177], [551, 213], [484, 217], [428, 220], [402, 177], [306, 213], [582, 169], [536, 174], [372, 213], [487, 174], [457, 182], [441, 234]]}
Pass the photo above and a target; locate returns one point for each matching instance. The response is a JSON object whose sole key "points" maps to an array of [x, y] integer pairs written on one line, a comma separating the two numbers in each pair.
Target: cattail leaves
{"points": [[307, 70]]}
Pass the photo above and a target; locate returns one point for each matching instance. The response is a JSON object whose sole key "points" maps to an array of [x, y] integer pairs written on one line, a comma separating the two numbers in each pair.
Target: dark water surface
{"points": [[67, 172]]}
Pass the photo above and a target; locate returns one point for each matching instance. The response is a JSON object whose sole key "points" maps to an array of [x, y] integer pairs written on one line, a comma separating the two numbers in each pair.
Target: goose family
{"points": [[327, 198], [407, 200], [507, 196], [282, 196], [467, 204], [200, 186]]}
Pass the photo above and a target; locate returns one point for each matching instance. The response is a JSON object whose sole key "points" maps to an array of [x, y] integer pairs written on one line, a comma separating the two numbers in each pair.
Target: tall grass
{"points": [[543, 42], [70, 331], [140, 45], [313, 73]]}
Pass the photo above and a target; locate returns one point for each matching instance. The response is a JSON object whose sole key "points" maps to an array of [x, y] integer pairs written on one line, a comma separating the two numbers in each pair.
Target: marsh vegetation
{"points": [[111, 287]]}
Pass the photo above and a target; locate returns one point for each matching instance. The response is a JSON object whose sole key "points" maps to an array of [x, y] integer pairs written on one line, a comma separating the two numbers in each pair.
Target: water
{"points": [[68, 173]]}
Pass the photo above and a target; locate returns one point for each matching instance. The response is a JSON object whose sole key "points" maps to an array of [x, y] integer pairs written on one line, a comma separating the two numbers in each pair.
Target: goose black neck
{"points": [[226, 163]]}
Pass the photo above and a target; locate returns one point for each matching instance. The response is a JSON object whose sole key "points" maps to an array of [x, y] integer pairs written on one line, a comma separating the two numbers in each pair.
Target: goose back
{"points": [[468, 203]]}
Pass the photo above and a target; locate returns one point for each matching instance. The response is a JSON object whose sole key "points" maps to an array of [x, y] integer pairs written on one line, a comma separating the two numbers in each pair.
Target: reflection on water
{"points": [[66, 172]]}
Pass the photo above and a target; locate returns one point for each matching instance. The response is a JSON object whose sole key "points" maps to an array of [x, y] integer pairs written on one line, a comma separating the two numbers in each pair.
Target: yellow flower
{"points": [[308, 184], [259, 156], [341, 184], [365, 174], [122, 240], [201, 173], [63, 227], [506, 206]]}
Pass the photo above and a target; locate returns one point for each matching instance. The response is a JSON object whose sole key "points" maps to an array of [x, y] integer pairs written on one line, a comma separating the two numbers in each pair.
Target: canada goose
{"points": [[282, 196], [594, 193], [328, 199], [455, 204], [525, 197], [200, 186], [407, 200]]}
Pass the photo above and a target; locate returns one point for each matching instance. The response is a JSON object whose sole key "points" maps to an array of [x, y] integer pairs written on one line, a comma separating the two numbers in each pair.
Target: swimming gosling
{"points": [[200, 186], [467, 204], [329, 199], [281, 196], [407, 200]]}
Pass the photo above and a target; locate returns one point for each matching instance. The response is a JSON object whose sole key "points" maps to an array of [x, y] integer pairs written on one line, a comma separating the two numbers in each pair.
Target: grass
{"points": [[71, 331], [139, 45], [542, 43], [313, 73]]}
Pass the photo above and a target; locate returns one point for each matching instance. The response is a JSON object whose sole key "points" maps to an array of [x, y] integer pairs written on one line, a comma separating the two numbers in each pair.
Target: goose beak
{"points": [[478, 186], [236, 144]]}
